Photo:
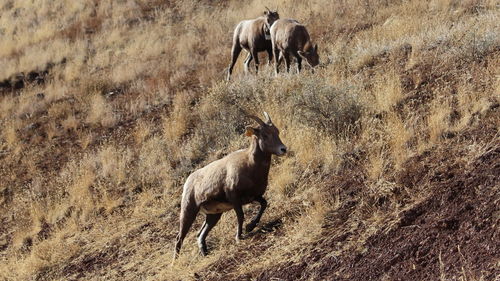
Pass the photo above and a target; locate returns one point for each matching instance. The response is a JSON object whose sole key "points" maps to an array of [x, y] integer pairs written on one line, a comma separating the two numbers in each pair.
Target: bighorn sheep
{"points": [[253, 36], [289, 37], [229, 183]]}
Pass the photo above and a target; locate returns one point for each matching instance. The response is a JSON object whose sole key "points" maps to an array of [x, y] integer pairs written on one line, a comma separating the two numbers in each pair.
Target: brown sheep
{"points": [[289, 37], [253, 36], [229, 183]]}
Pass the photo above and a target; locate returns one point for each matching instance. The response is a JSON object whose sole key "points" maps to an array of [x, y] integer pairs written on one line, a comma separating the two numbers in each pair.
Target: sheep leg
{"points": [[270, 54], [280, 59], [186, 220], [255, 56], [286, 56], [210, 222], [235, 52], [256, 219], [201, 228], [247, 62], [277, 59], [299, 63], [240, 216]]}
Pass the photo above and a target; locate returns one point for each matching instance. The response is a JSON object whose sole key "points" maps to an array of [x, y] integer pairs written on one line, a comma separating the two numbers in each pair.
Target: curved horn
{"points": [[267, 8], [268, 119], [257, 119]]}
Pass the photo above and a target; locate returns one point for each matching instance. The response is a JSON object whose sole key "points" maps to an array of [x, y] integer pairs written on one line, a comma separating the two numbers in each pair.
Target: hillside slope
{"points": [[450, 233], [393, 165]]}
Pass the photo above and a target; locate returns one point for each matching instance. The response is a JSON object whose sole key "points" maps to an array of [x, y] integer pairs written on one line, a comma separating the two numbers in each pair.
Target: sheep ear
{"points": [[316, 48], [249, 131], [265, 13]]}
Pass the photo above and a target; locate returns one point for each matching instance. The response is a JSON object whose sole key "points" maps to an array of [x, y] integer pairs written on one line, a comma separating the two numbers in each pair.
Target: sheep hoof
{"points": [[241, 237], [250, 227], [204, 252], [203, 249]]}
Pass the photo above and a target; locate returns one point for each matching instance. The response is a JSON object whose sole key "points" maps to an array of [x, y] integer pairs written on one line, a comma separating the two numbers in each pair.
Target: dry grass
{"points": [[134, 100]]}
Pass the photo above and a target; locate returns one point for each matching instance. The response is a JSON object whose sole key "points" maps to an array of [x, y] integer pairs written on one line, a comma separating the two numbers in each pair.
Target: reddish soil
{"points": [[455, 224]]}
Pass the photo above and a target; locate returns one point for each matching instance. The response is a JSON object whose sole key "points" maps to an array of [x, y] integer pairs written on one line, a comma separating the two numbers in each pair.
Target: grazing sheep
{"points": [[289, 37], [253, 36], [229, 183]]}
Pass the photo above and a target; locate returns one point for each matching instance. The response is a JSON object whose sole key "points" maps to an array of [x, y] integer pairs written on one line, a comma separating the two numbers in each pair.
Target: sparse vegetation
{"points": [[106, 107]]}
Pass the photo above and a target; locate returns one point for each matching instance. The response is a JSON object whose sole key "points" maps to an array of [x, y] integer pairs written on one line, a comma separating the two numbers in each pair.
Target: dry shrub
{"points": [[176, 125], [52, 130], [28, 105], [377, 165], [142, 131], [6, 106], [100, 112], [399, 135], [114, 164], [85, 139], [221, 120], [9, 133], [438, 120], [284, 178], [313, 104], [70, 123], [59, 110], [79, 190], [387, 90], [332, 110], [153, 165]]}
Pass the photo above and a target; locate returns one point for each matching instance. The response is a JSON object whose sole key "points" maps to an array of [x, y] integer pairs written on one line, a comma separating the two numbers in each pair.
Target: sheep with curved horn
{"points": [[229, 183]]}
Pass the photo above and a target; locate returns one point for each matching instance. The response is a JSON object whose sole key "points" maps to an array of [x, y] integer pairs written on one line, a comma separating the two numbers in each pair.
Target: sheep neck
{"points": [[257, 155]]}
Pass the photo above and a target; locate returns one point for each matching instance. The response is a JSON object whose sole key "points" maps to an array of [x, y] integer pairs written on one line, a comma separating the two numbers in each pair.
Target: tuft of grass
{"points": [[71, 123], [9, 134], [399, 135], [100, 112], [114, 163], [438, 121], [142, 131], [387, 90]]}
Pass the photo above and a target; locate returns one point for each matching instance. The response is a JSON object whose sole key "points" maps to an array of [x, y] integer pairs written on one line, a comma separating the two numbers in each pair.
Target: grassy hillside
{"points": [[392, 172]]}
